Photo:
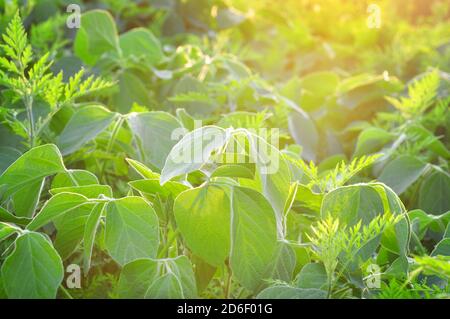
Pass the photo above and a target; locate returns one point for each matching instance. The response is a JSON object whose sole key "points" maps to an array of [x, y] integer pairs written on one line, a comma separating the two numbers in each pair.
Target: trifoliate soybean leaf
{"points": [[402, 173], [96, 36], [360, 202], [372, 140], [74, 177], [141, 43], [26, 200], [7, 230], [70, 229], [131, 90], [89, 191], [304, 132], [7, 217], [288, 292], [136, 277], [153, 187], [83, 127], [33, 270], [193, 150], [157, 133], [253, 236], [312, 275], [442, 248], [283, 263], [148, 278], [131, 229], [203, 218], [31, 167], [434, 194], [56, 206], [90, 229], [142, 170], [235, 170]]}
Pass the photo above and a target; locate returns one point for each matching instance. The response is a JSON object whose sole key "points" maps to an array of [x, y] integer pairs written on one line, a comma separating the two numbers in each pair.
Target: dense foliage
{"points": [[317, 133]]}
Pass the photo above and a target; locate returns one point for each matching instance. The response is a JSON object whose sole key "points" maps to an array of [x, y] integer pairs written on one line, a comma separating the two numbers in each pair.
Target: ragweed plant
{"points": [[337, 245], [30, 81]]}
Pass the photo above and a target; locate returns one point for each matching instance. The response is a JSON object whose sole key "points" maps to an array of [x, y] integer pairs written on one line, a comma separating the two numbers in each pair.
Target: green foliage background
{"points": [[87, 157]]}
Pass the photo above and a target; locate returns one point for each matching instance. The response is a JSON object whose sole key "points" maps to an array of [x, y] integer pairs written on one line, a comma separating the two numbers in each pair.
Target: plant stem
{"points": [[28, 100], [228, 284], [114, 133], [169, 243]]}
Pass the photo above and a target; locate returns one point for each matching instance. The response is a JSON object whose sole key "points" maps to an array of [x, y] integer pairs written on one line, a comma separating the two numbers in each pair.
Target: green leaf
{"points": [[312, 275], [83, 127], [33, 269], [90, 230], [89, 191], [131, 229], [157, 279], [203, 218], [193, 150], [156, 133], [97, 35], [434, 194], [153, 187], [7, 217], [56, 206], [141, 43], [74, 177], [361, 202], [287, 292], [254, 236], [372, 140], [26, 201], [402, 172], [442, 248], [7, 230], [33, 166]]}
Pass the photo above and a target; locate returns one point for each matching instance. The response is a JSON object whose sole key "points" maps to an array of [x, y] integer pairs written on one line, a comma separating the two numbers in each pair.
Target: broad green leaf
{"points": [[31, 167], [360, 202], [141, 43], [136, 277], [7, 230], [312, 275], [193, 150], [283, 263], [74, 177], [90, 229], [434, 194], [70, 229], [97, 35], [306, 197], [142, 170], [304, 132], [89, 191], [442, 248], [26, 201], [132, 89], [157, 133], [165, 287], [131, 230], [372, 140], [83, 127], [288, 292], [153, 187], [56, 206], [402, 172], [254, 236], [147, 278], [7, 217], [33, 269], [234, 170], [203, 218]]}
